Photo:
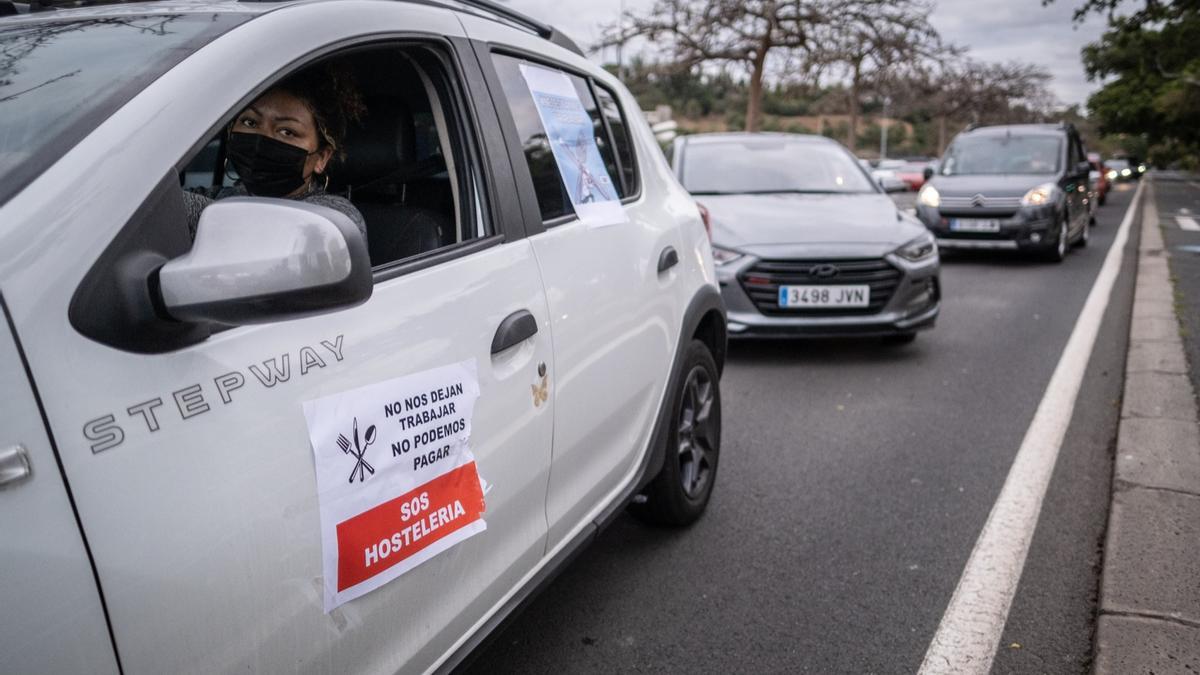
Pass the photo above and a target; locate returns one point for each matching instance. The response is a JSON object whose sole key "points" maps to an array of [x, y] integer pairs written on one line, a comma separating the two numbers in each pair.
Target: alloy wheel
{"points": [[695, 433]]}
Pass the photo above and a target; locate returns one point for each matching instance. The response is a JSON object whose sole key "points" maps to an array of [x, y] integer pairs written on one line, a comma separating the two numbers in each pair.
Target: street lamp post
{"points": [[883, 130]]}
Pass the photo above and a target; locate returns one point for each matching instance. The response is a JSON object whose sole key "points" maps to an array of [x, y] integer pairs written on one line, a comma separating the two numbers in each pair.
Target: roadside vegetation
{"points": [[1149, 62], [847, 68]]}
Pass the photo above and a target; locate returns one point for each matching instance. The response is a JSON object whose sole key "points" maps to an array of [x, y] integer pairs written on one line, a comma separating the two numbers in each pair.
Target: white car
{"points": [[281, 445]]}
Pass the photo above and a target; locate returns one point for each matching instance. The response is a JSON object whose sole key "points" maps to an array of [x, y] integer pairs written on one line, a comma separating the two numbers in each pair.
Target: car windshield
{"points": [[1117, 164], [1005, 154], [761, 166], [59, 79]]}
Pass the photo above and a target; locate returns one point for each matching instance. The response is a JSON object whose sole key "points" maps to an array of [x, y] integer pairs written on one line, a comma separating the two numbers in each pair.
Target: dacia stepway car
{"points": [[1011, 187], [279, 445]]}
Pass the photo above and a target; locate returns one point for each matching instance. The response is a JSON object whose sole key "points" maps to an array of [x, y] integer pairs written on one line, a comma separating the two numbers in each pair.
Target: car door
{"points": [[613, 298], [191, 463], [53, 618], [1076, 183]]}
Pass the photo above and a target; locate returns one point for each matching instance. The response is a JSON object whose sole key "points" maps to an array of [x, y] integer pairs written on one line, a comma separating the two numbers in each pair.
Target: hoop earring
{"points": [[325, 187]]}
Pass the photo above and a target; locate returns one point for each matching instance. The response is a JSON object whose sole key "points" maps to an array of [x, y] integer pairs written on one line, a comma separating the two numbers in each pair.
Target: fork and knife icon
{"points": [[361, 465]]}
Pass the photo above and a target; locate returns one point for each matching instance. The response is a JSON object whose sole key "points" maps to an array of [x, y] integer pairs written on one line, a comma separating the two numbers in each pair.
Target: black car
{"points": [[1018, 187]]}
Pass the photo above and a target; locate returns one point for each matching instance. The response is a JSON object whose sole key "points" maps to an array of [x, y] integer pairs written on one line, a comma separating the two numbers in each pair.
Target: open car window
{"points": [[407, 165]]}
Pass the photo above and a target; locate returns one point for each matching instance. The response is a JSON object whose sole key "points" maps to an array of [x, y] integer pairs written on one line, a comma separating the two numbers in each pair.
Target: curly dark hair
{"points": [[333, 97]]}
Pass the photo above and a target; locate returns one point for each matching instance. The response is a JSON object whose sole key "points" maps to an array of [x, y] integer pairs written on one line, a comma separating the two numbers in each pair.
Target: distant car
{"points": [[912, 172], [1018, 187], [806, 243], [1121, 171], [1098, 177], [889, 181], [885, 177]]}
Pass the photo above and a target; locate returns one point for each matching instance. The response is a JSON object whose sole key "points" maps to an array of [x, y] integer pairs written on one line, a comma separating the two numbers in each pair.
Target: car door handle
{"points": [[14, 465], [667, 259], [514, 329]]}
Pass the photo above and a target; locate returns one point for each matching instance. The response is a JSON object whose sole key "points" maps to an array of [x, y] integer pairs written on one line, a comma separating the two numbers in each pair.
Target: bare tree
{"points": [[871, 39], [740, 32], [960, 91]]}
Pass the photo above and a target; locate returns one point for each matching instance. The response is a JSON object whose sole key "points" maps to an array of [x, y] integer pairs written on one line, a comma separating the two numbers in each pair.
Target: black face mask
{"points": [[267, 167]]}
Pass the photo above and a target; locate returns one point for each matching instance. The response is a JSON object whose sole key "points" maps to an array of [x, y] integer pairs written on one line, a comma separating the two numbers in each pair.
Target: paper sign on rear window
{"points": [[573, 142]]}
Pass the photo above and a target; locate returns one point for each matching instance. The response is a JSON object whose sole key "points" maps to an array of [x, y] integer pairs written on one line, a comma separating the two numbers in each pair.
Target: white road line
{"points": [[968, 635], [1188, 223]]}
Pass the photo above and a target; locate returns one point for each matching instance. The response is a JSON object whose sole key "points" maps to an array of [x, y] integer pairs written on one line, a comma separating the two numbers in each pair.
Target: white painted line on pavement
{"points": [[1188, 223], [968, 635]]}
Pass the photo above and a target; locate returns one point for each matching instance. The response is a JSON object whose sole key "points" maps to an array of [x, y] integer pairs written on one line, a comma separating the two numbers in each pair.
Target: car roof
{"points": [[487, 9], [754, 137], [124, 9], [1018, 129]]}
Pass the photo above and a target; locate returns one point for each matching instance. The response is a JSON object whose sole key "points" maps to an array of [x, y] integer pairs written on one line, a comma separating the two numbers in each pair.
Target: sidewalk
{"points": [[1149, 607]]}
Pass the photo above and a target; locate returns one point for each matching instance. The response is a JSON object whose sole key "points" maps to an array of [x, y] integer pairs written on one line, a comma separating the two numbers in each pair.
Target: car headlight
{"points": [[1040, 195], [724, 256], [921, 248], [929, 196], [1141, 168], [1112, 174], [1125, 172]]}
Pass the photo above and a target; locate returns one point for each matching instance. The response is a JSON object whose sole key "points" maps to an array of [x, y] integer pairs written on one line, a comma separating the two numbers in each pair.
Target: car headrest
{"points": [[384, 142]]}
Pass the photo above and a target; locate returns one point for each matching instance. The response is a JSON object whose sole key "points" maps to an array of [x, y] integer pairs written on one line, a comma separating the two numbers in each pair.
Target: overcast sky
{"points": [[993, 30]]}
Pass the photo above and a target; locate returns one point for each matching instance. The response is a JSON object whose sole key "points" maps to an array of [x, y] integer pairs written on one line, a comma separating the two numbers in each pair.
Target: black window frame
{"points": [[520, 167], [634, 191]]}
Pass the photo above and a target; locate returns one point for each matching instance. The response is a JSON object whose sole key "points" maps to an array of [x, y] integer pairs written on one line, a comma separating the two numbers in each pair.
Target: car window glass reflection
{"points": [[770, 165], [60, 79], [1004, 155]]}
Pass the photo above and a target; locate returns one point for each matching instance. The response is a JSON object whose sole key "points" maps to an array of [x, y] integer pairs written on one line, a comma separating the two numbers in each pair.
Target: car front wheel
{"points": [[679, 494], [1057, 251]]}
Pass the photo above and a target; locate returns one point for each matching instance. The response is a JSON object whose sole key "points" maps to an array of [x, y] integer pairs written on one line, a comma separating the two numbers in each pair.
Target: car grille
{"points": [[763, 279], [980, 202]]}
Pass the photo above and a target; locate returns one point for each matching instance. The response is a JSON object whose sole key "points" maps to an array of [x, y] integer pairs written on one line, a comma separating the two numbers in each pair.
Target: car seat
{"points": [[381, 161]]}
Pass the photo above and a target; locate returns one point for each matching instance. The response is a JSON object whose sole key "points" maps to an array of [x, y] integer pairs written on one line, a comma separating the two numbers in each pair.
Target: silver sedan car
{"points": [[806, 243]]}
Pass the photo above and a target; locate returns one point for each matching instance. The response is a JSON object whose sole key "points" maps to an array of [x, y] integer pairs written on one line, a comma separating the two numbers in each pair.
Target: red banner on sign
{"points": [[386, 535]]}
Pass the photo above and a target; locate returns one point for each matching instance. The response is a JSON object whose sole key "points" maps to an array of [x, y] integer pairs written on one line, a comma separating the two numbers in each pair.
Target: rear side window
{"points": [[621, 140], [553, 200]]}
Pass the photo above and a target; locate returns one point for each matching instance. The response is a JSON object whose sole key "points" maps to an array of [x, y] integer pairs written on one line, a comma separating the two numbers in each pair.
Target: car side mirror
{"points": [[258, 260], [928, 172]]}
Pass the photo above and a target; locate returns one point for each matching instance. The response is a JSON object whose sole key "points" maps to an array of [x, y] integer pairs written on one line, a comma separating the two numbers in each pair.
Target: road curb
{"points": [[1149, 608]]}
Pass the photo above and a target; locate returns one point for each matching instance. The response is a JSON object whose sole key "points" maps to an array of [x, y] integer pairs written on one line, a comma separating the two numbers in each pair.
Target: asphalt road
{"points": [[854, 480]]}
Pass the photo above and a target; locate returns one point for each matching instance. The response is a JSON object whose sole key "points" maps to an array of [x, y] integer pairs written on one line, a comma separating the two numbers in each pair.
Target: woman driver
{"points": [[283, 143]]}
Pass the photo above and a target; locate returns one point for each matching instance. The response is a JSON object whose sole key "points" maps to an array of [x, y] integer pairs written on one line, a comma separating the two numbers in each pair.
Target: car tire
{"points": [[679, 494], [1057, 252], [900, 339]]}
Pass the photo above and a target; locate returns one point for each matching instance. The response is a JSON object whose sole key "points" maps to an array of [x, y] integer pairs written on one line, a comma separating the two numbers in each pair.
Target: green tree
{"points": [[1155, 90], [1149, 59]]}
